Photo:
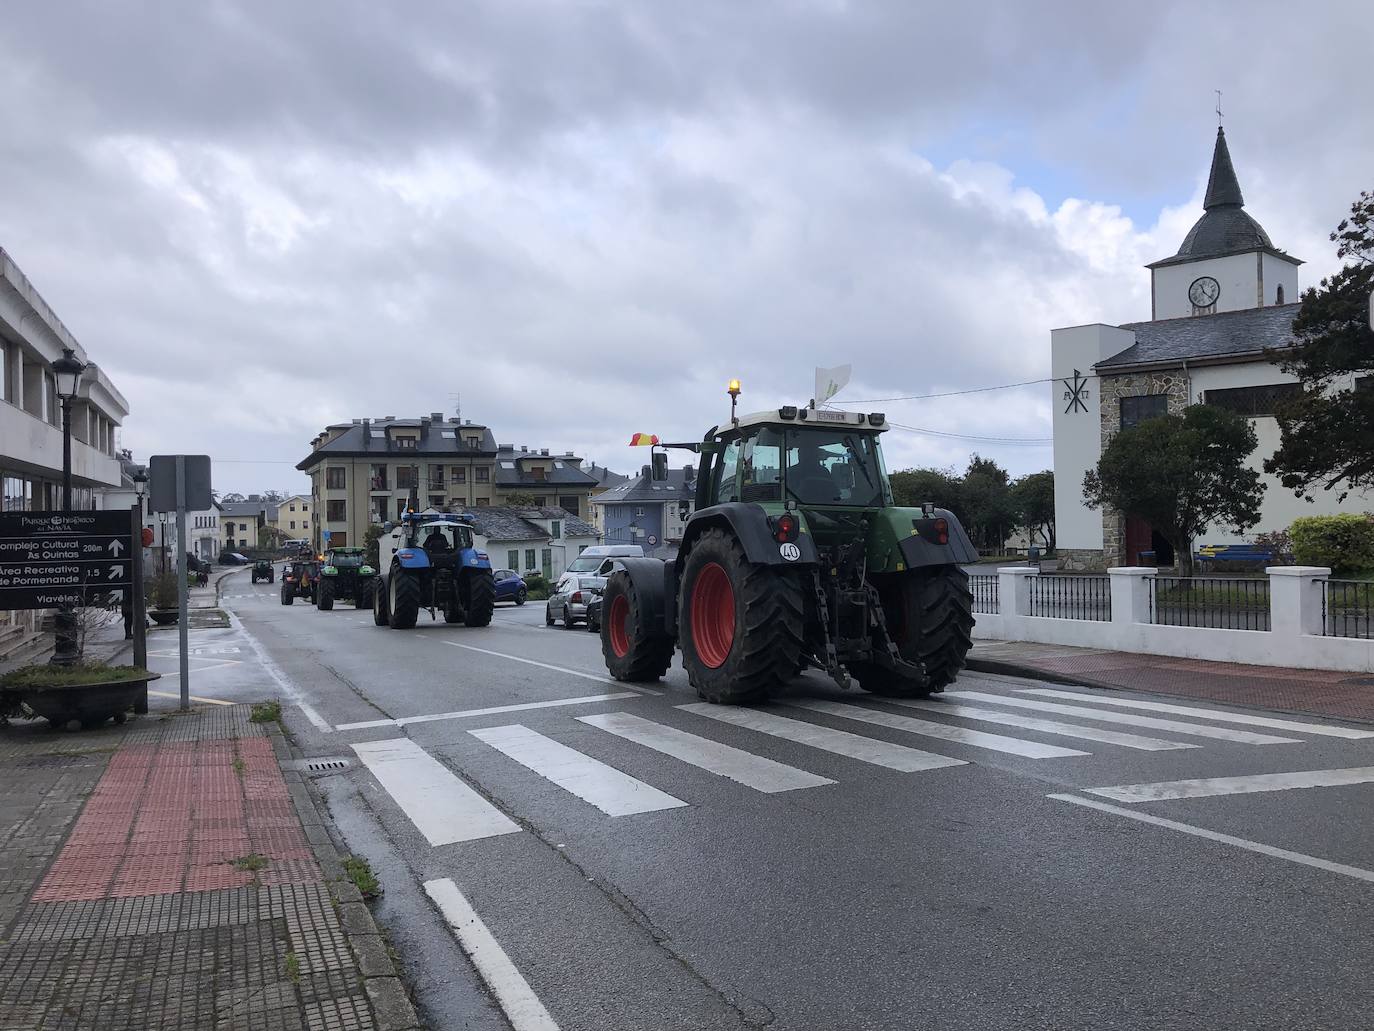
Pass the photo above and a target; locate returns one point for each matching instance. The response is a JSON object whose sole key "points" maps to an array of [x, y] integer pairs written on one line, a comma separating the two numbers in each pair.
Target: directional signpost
{"points": [[49, 559]]}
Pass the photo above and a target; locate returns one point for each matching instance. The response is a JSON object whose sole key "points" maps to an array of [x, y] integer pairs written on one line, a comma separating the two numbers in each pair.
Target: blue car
{"points": [[509, 586]]}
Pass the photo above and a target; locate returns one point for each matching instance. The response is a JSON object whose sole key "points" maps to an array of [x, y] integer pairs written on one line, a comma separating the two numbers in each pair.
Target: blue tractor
{"points": [[429, 561]]}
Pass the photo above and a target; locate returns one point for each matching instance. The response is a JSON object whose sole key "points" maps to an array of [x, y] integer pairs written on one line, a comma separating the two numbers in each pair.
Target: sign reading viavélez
{"points": [[63, 558]]}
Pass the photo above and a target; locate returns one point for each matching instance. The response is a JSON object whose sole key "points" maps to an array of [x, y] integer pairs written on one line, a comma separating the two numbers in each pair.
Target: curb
{"points": [[391, 1005], [1016, 669]]}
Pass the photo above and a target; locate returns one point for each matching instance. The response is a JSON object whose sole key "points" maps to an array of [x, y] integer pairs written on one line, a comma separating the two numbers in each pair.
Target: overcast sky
{"points": [[584, 218]]}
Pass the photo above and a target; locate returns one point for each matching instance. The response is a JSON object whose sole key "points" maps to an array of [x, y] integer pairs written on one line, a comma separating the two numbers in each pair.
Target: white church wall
{"points": [[1236, 274], [1278, 272]]}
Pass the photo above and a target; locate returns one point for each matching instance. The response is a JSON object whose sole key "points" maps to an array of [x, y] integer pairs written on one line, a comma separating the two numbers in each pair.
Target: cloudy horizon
{"points": [[583, 218]]}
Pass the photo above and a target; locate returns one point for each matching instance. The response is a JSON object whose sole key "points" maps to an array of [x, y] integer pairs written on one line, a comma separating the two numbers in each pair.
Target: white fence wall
{"points": [[1295, 640]]}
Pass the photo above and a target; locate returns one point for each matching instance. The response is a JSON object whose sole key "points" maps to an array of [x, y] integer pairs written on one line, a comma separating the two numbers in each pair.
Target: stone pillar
{"points": [[1131, 589], [1013, 589], [1295, 599]]}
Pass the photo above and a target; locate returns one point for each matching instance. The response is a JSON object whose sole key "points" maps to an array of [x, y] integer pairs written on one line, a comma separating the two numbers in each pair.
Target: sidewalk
{"points": [[1309, 691], [169, 874]]}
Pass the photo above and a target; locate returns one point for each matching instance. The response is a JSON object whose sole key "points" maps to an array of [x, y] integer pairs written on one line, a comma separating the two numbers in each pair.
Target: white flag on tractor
{"points": [[830, 382]]}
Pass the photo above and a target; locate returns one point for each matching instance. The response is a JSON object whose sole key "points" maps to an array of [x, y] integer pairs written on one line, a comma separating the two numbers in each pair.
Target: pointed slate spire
{"points": [[1222, 187]]}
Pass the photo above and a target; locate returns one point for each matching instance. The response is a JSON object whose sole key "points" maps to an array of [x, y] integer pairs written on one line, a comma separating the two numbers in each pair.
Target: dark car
{"points": [[232, 558], [594, 614], [510, 586], [299, 580], [264, 570]]}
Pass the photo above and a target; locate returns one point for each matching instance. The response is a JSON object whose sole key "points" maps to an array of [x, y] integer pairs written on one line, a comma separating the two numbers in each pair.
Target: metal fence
{"points": [[1213, 602], [1071, 597], [1348, 608], [984, 589]]}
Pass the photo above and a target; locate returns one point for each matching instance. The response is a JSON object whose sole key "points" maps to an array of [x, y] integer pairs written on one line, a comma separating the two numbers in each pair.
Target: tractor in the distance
{"points": [[344, 576], [795, 558], [428, 561]]}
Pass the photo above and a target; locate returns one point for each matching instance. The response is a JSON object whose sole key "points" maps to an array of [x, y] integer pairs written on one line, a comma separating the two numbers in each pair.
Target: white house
{"points": [[1227, 294], [530, 540]]}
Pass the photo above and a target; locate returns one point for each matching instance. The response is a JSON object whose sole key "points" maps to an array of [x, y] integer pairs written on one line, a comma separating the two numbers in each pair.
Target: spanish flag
{"points": [[643, 439]]}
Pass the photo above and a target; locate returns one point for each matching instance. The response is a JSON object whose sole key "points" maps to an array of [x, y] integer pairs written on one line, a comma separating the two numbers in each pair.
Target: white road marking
{"points": [[841, 742], [1225, 839], [1130, 719], [1015, 719], [441, 806], [753, 771], [288, 688], [613, 792], [600, 678], [1205, 786], [1100, 698], [404, 721], [207, 701], [974, 738], [518, 1001]]}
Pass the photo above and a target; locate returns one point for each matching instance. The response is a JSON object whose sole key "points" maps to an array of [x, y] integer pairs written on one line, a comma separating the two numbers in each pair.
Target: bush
{"points": [[536, 587], [1343, 542]]}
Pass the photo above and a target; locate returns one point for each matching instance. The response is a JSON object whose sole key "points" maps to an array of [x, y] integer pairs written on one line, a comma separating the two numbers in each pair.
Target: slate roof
{"points": [[359, 440], [643, 488], [604, 477], [505, 523], [267, 509], [1207, 336], [563, 470]]}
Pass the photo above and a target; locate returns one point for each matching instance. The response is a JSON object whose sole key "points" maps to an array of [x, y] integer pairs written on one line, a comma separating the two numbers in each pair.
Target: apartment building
{"points": [[294, 517]]}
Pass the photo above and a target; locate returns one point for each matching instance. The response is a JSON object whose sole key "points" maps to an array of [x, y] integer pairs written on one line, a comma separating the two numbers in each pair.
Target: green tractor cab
{"points": [[345, 576], [795, 558]]}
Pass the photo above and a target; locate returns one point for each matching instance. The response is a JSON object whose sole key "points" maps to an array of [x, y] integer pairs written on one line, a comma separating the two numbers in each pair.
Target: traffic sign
{"points": [[49, 559]]}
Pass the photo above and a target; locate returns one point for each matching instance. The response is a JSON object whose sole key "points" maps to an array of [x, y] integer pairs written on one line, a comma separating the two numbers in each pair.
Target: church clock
{"points": [[1204, 292]]}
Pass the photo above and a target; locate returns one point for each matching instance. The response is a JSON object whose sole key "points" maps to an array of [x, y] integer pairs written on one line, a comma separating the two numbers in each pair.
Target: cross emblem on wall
{"points": [[1076, 393]]}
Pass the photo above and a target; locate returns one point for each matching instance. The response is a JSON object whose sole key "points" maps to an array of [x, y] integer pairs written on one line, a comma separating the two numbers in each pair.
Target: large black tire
{"points": [[479, 600], [380, 616], [324, 596], [404, 603], [634, 651], [740, 624], [287, 597], [930, 616]]}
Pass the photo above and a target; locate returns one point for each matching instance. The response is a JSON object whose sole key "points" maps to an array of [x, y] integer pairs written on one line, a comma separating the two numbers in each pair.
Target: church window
{"points": [[1278, 295], [1253, 402], [1135, 410]]}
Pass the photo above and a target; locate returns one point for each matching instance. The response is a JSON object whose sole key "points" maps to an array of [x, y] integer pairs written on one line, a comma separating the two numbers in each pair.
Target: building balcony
{"points": [[33, 447], [377, 484]]}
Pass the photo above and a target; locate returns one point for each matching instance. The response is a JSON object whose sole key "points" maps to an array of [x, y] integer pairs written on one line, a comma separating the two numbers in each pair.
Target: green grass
{"points": [[266, 712], [359, 871], [239, 766], [250, 863], [293, 967], [70, 676]]}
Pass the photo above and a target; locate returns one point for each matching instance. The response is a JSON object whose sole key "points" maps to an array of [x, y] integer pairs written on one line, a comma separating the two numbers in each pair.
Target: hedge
{"points": [[1342, 542]]}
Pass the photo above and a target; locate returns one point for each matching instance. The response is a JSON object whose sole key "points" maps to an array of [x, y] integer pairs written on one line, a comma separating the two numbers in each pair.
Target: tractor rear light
{"points": [[941, 531], [785, 528]]}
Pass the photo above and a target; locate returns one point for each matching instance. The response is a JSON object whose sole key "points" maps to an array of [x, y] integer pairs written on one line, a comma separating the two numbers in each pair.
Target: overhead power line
{"points": [[1006, 441], [946, 393]]}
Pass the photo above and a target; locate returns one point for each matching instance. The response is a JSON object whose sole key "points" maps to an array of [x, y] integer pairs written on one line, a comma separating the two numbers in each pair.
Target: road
{"points": [[1014, 855]]}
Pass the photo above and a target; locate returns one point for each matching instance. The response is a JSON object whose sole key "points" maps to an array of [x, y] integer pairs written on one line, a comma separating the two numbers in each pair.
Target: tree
{"points": [[1181, 474], [1033, 498], [520, 499], [1328, 432], [911, 487], [370, 538], [989, 514]]}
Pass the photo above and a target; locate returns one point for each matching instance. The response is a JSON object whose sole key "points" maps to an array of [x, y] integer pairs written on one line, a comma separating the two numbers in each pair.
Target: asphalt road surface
{"points": [[1014, 855]]}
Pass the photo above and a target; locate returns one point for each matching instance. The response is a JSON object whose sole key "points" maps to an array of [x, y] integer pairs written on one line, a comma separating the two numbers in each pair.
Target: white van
{"points": [[591, 558]]}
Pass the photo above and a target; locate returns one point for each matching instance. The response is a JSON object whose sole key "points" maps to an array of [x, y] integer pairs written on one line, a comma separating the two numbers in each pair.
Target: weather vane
{"points": [[1218, 93]]}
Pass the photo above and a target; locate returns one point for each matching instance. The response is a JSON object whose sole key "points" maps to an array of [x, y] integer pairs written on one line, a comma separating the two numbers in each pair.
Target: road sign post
{"points": [[48, 559], [179, 482], [137, 602]]}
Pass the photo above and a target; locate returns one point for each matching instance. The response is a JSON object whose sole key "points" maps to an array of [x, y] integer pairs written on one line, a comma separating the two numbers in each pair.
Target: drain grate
{"points": [[331, 764]]}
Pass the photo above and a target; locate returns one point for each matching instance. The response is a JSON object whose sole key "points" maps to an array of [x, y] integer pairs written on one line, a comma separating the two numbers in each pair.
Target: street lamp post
{"points": [[67, 371]]}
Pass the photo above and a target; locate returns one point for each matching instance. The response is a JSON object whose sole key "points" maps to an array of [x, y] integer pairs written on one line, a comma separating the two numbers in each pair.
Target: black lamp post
{"points": [[67, 371]]}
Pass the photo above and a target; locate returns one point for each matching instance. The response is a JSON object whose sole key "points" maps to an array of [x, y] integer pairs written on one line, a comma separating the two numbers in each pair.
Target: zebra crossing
{"points": [[447, 810]]}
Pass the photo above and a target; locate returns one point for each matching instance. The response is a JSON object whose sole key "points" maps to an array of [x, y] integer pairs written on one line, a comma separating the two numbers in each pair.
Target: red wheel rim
{"points": [[713, 615], [617, 622]]}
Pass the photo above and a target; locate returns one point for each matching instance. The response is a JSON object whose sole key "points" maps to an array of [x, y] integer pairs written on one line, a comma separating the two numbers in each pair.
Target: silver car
{"points": [[569, 599]]}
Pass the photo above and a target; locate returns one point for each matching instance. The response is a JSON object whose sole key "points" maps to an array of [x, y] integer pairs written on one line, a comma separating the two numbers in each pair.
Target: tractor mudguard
{"points": [[655, 583], [749, 524], [471, 558], [412, 558], [918, 551]]}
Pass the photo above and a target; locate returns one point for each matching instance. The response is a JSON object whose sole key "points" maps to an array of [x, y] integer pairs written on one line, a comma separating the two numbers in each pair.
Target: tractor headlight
{"points": [[367, 571]]}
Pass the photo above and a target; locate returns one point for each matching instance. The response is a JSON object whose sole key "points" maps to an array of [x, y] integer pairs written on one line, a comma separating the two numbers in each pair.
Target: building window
{"points": [[513, 559], [581, 548], [557, 529], [1278, 295], [378, 477], [459, 474], [1134, 411], [436, 501], [568, 502], [293, 506], [473, 442], [482, 502], [406, 443], [483, 474], [335, 511], [243, 542], [639, 511], [1253, 402], [529, 559], [540, 501], [293, 524], [405, 477], [305, 506]]}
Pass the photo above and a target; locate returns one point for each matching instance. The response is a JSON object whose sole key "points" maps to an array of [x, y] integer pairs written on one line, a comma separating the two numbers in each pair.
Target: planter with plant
{"points": [[163, 600]]}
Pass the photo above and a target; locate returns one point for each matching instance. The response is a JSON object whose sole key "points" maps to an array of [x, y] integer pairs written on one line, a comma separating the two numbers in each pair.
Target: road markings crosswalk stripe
{"points": [[1203, 787], [613, 792], [753, 771], [841, 742], [1129, 719], [599, 677], [1015, 719], [1297, 727], [518, 1001], [441, 806], [493, 710], [961, 735]]}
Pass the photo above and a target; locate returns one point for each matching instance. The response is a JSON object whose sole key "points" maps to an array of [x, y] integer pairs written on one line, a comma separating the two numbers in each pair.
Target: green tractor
{"points": [[345, 576], [796, 558]]}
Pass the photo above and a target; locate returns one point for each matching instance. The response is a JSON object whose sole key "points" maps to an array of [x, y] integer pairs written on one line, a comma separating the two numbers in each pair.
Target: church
{"points": [[1227, 294]]}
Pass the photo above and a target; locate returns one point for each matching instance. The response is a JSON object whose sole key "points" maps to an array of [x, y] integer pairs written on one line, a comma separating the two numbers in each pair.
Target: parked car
{"points": [[594, 614], [569, 599], [264, 570], [232, 558], [590, 559], [510, 586]]}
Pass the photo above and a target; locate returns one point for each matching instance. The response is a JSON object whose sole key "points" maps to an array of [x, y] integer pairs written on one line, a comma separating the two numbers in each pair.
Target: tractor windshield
{"points": [[833, 466], [346, 559]]}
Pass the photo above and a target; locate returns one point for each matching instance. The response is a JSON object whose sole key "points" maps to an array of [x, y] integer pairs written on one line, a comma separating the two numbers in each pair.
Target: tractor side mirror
{"points": [[660, 466]]}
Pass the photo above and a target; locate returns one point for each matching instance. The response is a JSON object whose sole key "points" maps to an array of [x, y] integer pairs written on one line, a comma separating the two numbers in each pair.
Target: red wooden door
{"points": [[1139, 538]]}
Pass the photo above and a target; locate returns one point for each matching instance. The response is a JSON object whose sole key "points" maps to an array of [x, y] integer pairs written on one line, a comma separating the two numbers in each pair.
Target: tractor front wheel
{"points": [[404, 603], [380, 616], [741, 623], [634, 651], [479, 596], [929, 614], [324, 596]]}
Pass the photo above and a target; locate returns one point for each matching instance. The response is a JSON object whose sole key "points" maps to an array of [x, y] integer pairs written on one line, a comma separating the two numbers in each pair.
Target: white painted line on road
{"points": [[1015, 719], [207, 701], [1203, 787], [404, 721], [441, 806], [518, 1001], [961, 735], [1244, 737], [1294, 726], [1225, 839], [841, 742], [288, 688], [613, 792], [753, 771], [599, 678]]}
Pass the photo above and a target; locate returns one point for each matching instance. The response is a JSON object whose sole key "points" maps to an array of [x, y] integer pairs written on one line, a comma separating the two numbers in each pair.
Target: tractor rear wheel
{"points": [[479, 601], [287, 595], [380, 616], [404, 603], [634, 652], [930, 617], [740, 622], [324, 597]]}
